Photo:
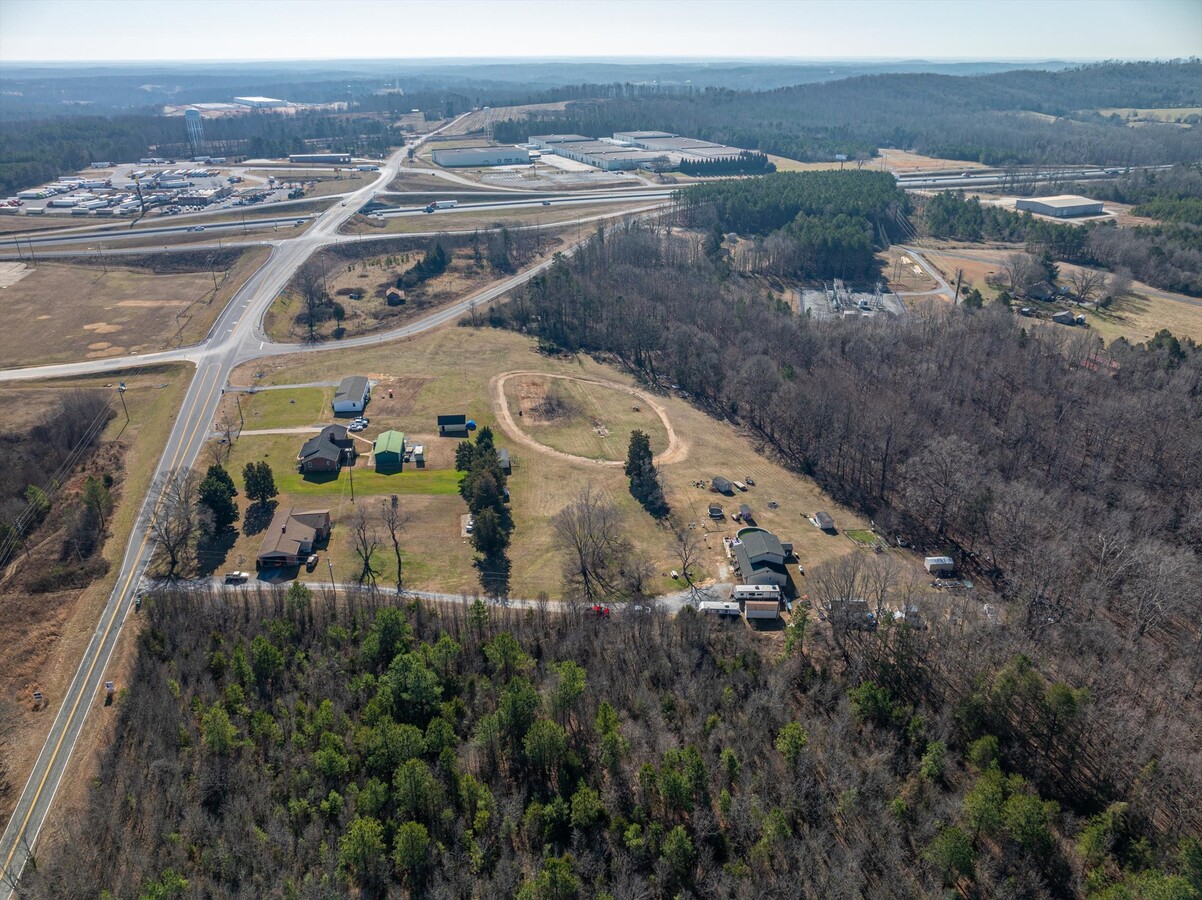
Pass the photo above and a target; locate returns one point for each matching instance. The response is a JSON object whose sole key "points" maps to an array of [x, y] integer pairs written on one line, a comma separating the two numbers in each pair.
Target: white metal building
{"points": [[1063, 206], [939, 565], [481, 156], [352, 395]]}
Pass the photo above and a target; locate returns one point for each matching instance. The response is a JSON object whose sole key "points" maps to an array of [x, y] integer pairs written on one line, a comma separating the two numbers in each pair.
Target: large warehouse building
{"points": [[1064, 206], [319, 158], [633, 149], [481, 156]]}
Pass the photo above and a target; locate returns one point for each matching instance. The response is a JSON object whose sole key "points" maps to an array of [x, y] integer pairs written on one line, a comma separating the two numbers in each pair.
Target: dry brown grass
{"points": [[373, 277], [449, 372], [470, 220], [903, 161], [43, 636], [581, 418], [482, 118], [62, 312]]}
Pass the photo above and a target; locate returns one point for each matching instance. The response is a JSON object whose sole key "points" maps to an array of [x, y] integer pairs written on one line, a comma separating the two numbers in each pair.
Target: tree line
{"points": [[984, 118]]}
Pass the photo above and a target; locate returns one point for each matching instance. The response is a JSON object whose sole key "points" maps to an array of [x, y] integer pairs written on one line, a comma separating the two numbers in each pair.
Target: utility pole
{"points": [[121, 394], [241, 421], [333, 586], [959, 279]]}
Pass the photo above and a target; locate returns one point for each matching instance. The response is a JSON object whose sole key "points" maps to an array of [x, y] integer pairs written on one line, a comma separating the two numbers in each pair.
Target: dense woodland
{"points": [[284, 744], [986, 118]]}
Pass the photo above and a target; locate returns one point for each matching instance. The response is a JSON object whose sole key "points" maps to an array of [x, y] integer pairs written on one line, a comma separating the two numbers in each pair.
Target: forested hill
{"points": [[991, 118]]}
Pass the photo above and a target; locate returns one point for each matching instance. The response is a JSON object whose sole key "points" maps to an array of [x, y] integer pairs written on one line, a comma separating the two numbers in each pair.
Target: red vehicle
{"points": [[599, 612]]}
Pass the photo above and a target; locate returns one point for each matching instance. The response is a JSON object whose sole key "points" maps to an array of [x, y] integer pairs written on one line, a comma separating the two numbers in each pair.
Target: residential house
{"points": [[292, 536], [328, 451], [760, 557]]}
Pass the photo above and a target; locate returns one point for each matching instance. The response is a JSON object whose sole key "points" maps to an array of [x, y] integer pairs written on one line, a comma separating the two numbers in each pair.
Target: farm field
{"points": [[62, 312], [451, 371], [42, 635]]}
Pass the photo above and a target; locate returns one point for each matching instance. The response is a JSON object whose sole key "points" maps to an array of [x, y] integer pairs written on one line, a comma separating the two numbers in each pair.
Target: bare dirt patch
{"points": [[60, 308]]}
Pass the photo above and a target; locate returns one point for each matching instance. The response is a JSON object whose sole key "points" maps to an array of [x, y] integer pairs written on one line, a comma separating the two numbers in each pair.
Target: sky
{"points": [[176, 30]]}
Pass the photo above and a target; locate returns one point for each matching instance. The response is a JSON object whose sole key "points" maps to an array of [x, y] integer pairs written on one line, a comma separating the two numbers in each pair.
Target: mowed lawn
{"points": [[449, 371], [594, 421], [294, 407]]}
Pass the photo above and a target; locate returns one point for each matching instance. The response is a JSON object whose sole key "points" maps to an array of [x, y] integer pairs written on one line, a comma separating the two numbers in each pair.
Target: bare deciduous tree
{"points": [[688, 549], [1022, 272], [366, 542], [394, 520], [1088, 284], [174, 522], [589, 532]]}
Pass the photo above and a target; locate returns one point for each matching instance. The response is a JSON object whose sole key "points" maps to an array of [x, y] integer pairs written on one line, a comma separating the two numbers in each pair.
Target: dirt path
{"points": [[676, 451]]}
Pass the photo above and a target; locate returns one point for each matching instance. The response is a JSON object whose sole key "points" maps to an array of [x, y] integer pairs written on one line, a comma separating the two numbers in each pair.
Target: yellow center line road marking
{"points": [[182, 450]]}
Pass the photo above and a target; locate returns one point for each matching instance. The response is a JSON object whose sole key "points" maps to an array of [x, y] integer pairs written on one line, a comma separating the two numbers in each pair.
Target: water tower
{"points": [[196, 134]]}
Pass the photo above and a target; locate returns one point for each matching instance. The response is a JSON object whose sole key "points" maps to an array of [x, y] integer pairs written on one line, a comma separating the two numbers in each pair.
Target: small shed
{"points": [[452, 426], [939, 565], [419, 456], [503, 458], [390, 450], [745, 511], [1064, 317], [394, 297], [824, 521], [721, 485], [761, 609]]}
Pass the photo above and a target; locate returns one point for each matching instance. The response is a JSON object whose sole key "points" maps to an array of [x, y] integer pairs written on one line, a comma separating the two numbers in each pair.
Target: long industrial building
{"points": [[320, 158], [481, 156], [633, 149], [1064, 206]]}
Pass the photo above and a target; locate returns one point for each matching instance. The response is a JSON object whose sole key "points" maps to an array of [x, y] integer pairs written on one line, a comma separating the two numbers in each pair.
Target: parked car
{"points": [[355, 426], [236, 577], [311, 562]]}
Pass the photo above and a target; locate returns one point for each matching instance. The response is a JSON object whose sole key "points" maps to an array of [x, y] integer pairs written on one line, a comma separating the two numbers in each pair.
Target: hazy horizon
{"points": [[57, 32]]}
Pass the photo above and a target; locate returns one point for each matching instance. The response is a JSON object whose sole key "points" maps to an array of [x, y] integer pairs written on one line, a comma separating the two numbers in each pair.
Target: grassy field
{"points": [[904, 161], [1170, 114], [490, 218], [448, 371], [43, 635], [408, 180], [284, 409], [580, 418], [62, 312]]}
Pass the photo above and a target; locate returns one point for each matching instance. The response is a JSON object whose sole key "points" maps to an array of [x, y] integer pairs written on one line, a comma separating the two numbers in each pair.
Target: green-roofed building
{"points": [[390, 450]]}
